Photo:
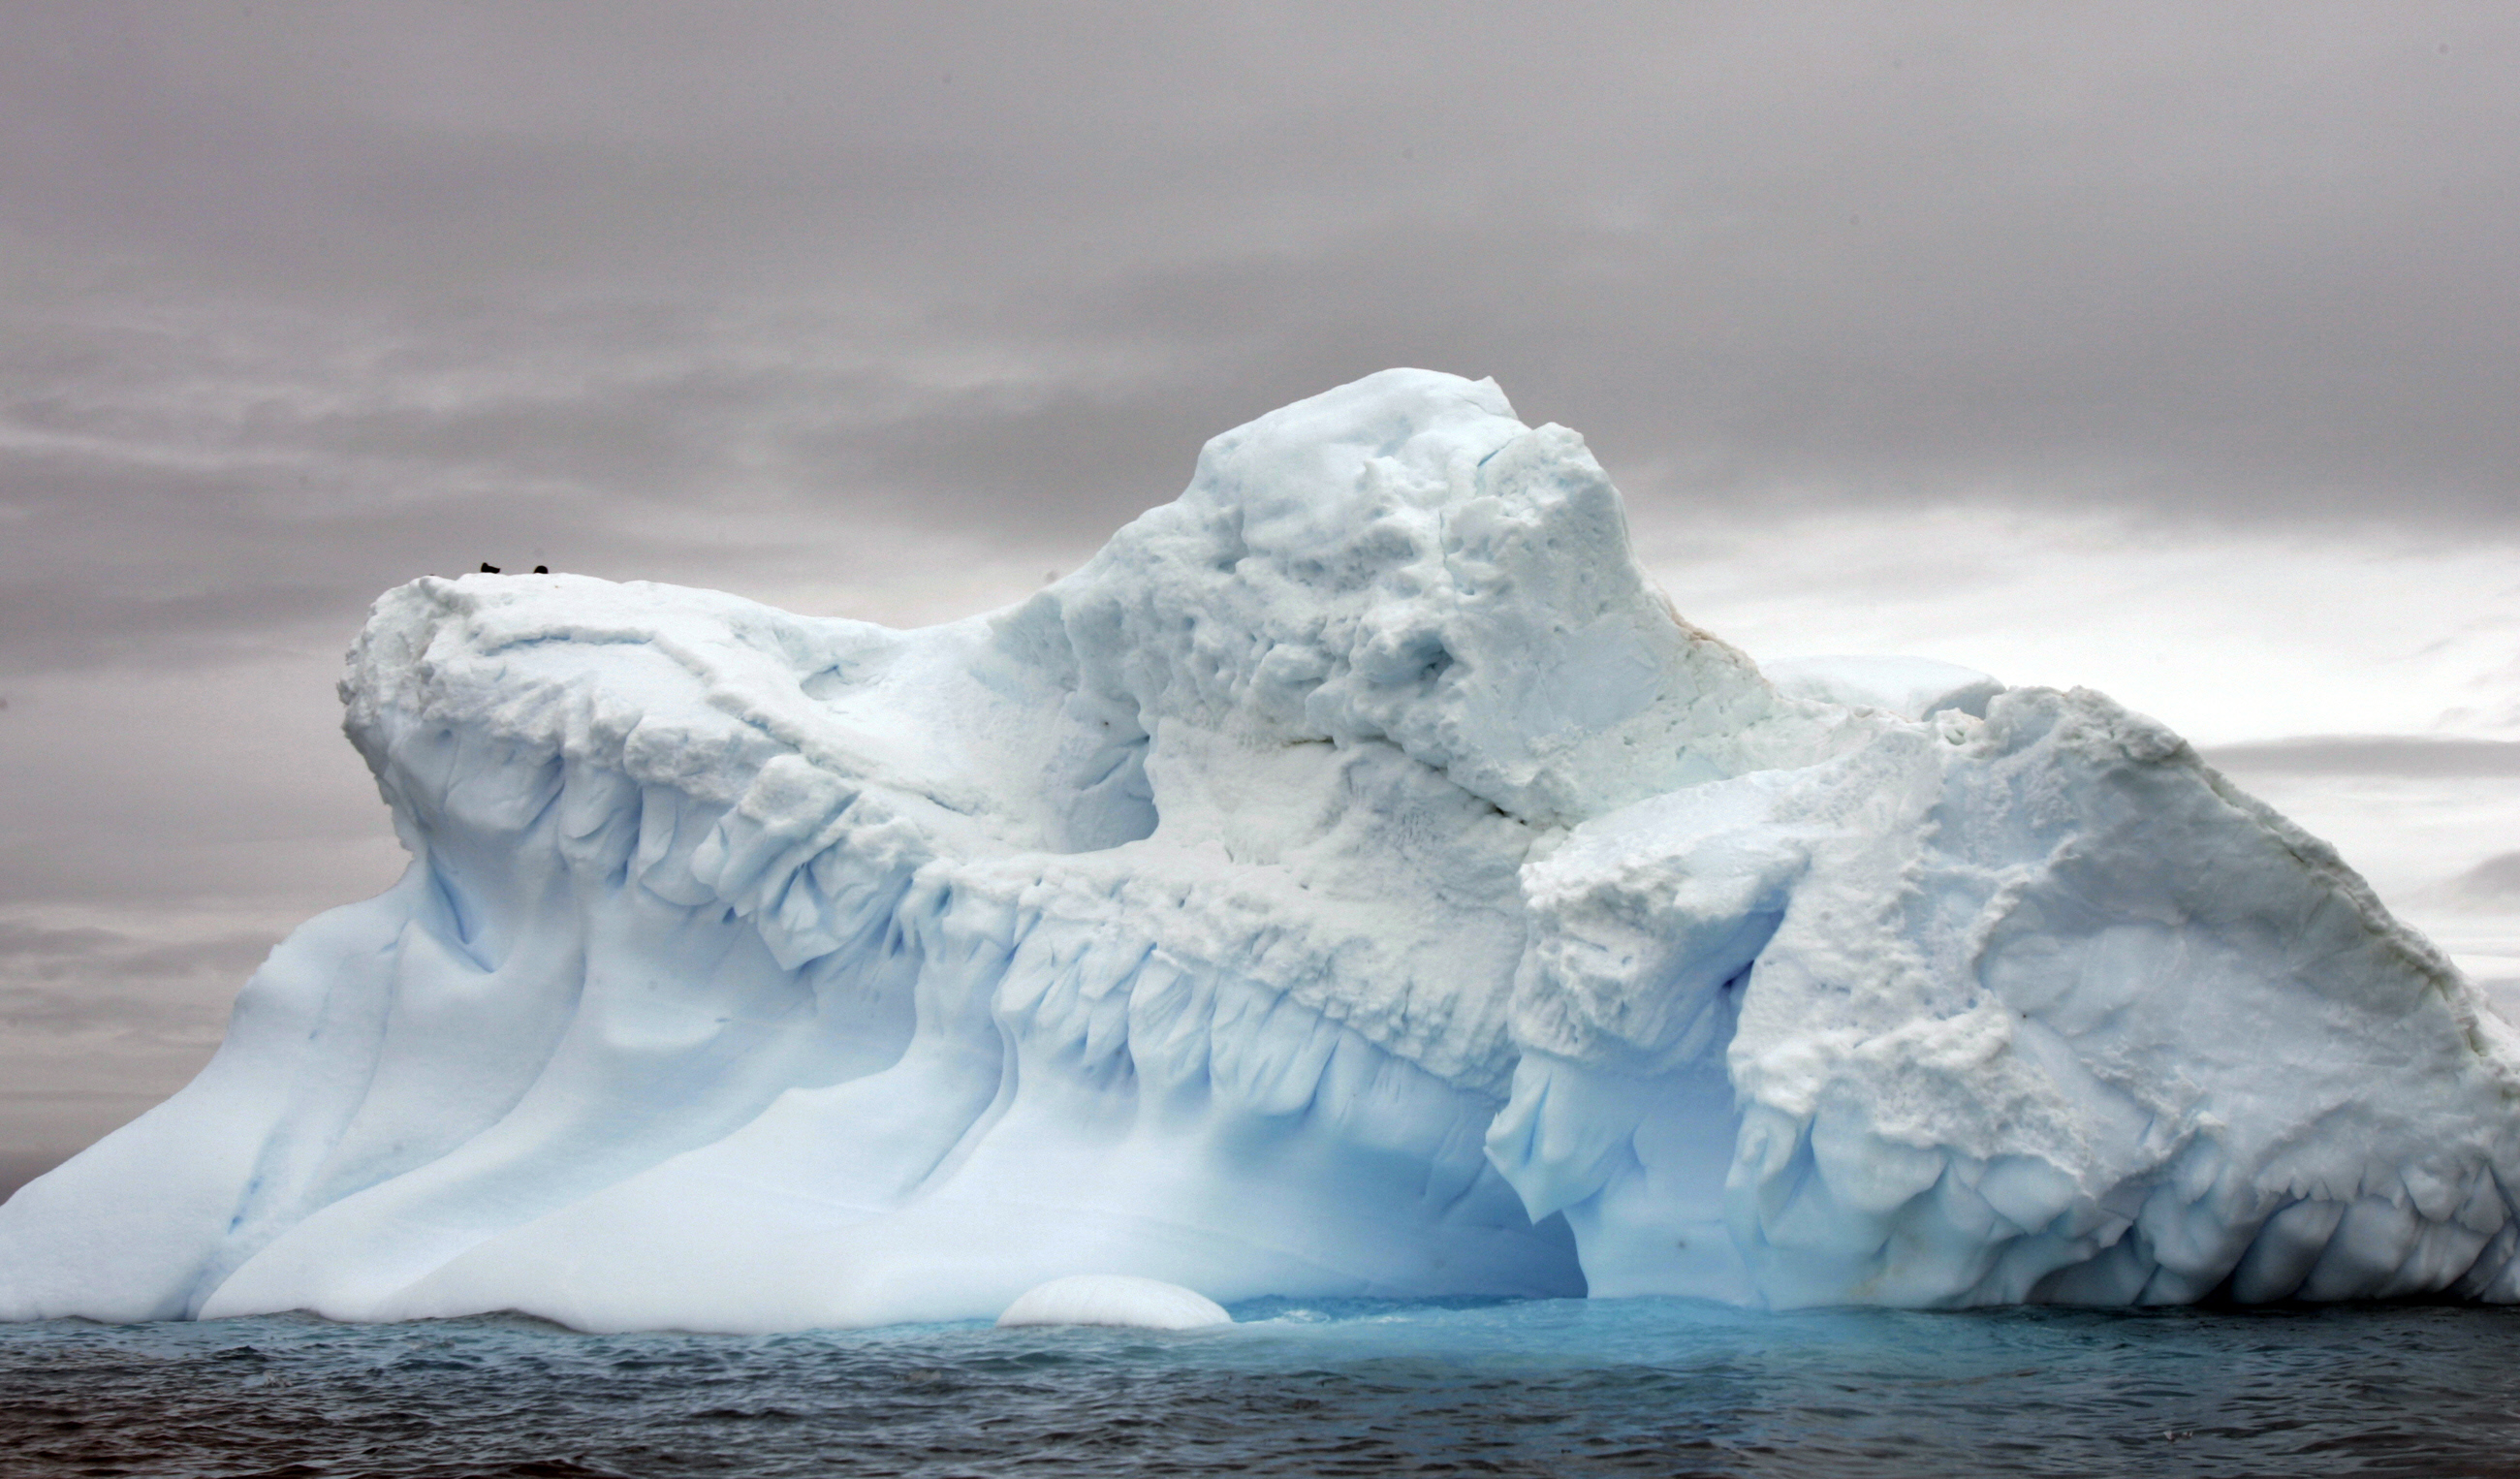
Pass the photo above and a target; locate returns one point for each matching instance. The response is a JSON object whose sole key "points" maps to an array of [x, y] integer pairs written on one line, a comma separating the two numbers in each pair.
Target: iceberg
{"points": [[1356, 880], [1114, 1299]]}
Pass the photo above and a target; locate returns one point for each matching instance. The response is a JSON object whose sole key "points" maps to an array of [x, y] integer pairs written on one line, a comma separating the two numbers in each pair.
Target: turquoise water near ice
{"points": [[1564, 1387]]}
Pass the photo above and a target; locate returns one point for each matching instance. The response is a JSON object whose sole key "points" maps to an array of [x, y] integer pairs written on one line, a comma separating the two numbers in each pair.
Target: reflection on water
{"points": [[1662, 1387]]}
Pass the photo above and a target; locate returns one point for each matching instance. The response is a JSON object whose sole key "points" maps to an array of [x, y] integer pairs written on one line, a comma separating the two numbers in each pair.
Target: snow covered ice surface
{"points": [[1114, 1299], [1356, 880]]}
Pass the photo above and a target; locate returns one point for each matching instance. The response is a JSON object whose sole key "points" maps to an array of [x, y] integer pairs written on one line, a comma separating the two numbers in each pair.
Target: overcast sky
{"points": [[2174, 350]]}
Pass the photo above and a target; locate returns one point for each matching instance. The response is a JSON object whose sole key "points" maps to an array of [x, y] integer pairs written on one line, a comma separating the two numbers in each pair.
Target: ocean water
{"points": [[1566, 1387]]}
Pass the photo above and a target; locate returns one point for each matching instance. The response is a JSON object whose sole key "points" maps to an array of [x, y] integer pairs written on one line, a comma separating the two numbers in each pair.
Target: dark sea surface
{"points": [[1662, 1387]]}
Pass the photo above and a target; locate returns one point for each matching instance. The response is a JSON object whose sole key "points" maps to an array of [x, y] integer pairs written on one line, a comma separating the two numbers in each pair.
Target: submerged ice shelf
{"points": [[1357, 879]]}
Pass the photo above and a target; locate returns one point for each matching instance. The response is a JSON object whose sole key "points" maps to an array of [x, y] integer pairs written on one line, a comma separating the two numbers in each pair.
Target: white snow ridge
{"points": [[1355, 880]]}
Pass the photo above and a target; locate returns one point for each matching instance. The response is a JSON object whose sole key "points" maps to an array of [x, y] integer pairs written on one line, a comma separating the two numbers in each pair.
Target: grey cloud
{"points": [[118, 994], [164, 791], [1027, 462], [54, 1008], [2494, 881], [312, 303], [306, 302], [91, 952], [2372, 755], [2142, 251]]}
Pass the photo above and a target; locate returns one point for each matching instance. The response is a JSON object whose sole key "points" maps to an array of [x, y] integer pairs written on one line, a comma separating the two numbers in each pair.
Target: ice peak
{"points": [[1401, 561], [1308, 476]]}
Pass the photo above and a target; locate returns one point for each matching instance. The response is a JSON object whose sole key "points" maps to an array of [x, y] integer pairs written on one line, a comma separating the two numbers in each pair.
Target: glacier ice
{"points": [[1913, 688], [1357, 879], [1114, 1299]]}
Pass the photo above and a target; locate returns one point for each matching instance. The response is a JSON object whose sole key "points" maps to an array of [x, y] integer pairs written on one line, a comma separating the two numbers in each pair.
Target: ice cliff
{"points": [[1357, 879]]}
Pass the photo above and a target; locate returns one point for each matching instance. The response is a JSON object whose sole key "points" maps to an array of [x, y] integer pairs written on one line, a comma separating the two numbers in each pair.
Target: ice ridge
{"points": [[1357, 879]]}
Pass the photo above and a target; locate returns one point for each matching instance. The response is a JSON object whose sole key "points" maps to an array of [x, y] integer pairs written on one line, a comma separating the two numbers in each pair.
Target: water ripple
{"points": [[1558, 1388]]}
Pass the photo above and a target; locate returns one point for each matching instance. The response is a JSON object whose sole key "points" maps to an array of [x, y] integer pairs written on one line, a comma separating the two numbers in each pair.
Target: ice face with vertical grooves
{"points": [[1356, 880]]}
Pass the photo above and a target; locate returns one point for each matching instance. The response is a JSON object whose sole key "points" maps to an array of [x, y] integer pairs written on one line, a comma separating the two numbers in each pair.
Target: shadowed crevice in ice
{"points": [[1357, 882]]}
